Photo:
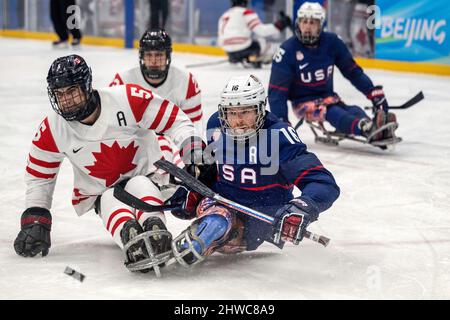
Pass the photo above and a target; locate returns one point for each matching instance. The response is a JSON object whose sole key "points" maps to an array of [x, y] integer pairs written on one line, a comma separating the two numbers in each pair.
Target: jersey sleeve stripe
{"points": [[194, 109], [77, 201], [166, 148], [160, 115], [40, 175], [44, 164], [304, 173], [278, 87], [171, 120], [269, 186], [198, 118]]}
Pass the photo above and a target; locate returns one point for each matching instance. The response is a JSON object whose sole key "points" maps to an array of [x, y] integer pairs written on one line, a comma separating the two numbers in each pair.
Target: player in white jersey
{"points": [[156, 73], [108, 135], [238, 27]]}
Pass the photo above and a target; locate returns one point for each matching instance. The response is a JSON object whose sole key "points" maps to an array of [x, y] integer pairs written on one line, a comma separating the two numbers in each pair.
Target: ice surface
{"points": [[390, 228]]}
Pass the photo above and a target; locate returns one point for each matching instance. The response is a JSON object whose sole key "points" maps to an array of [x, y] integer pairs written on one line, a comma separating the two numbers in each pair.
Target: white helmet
{"points": [[312, 10], [242, 91]]}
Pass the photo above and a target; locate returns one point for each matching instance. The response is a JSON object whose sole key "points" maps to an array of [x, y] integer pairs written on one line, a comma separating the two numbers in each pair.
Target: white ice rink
{"points": [[389, 230]]}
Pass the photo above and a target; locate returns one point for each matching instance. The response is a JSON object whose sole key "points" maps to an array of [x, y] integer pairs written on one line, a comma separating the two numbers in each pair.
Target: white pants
{"points": [[115, 213]]}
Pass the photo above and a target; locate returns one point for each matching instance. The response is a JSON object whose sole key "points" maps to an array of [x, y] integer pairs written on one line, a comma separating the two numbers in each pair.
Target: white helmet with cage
{"points": [[242, 93], [310, 10]]}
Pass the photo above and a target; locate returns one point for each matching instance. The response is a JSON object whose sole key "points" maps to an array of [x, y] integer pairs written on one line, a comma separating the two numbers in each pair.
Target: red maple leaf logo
{"points": [[111, 162]]}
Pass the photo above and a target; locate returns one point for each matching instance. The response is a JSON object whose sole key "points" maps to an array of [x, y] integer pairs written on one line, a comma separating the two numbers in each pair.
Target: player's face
{"points": [[155, 59], [309, 26], [242, 119], [70, 98]]}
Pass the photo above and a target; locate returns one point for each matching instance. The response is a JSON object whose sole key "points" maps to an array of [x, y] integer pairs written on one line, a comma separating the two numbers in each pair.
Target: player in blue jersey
{"points": [[260, 160], [302, 72]]}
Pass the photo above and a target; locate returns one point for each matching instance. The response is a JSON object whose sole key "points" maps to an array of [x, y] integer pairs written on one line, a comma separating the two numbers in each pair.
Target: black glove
{"points": [[376, 95], [34, 236], [283, 22], [291, 221], [197, 163], [187, 201]]}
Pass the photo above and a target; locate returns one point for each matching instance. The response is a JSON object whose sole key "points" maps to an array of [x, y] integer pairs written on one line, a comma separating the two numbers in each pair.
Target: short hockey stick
{"points": [[199, 187], [127, 198], [408, 104]]}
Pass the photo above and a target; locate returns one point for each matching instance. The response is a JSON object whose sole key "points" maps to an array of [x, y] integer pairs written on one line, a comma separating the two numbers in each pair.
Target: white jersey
{"points": [[180, 87], [236, 27], [121, 144]]}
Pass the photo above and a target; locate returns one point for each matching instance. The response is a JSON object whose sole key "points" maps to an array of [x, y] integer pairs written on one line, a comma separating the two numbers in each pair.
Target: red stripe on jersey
{"points": [[304, 173], [171, 119], [118, 223], [117, 81], [253, 26], [44, 164], [275, 185], [115, 213], [44, 138], [77, 194], [138, 98], [248, 11], [253, 21], [197, 118], [196, 108], [160, 115], [166, 148], [278, 87], [236, 40], [41, 175], [193, 89], [77, 201], [178, 161]]}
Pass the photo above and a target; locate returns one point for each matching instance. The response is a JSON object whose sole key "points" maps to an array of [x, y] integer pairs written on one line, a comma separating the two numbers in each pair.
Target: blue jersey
{"points": [[263, 172], [300, 73]]}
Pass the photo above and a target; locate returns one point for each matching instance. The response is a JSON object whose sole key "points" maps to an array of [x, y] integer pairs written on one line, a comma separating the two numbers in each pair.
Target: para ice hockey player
{"points": [[238, 27], [108, 135], [237, 133], [156, 73], [302, 72]]}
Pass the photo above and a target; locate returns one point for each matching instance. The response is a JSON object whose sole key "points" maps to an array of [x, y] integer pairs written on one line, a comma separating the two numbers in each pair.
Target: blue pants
{"points": [[345, 118]]}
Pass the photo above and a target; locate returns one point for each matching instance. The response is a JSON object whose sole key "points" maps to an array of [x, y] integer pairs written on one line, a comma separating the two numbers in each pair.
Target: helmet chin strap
{"points": [[92, 104]]}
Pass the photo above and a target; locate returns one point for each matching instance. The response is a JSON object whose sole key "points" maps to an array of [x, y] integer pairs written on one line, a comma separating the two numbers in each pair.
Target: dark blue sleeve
{"points": [[212, 125], [350, 69], [281, 77], [303, 169]]}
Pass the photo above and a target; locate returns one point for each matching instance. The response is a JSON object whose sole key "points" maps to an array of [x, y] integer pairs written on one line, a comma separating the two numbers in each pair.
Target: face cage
{"points": [[79, 113], [154, 74], [307, 40], [226, 128], [154, 260]]}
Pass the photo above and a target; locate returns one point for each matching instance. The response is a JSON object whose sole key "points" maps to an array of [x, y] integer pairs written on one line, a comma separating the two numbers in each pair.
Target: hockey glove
{"points": [[291, 221], [197, 162], [34, 236], [187, 201], [376, 95], [283, 22]]}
